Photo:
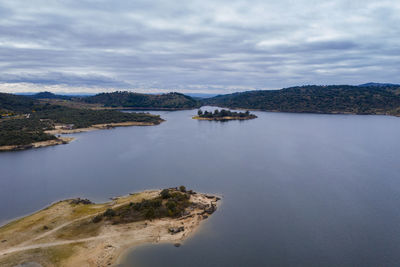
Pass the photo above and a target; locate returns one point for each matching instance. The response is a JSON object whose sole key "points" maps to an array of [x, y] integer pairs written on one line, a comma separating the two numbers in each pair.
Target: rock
{"points": [[185, 213], [177, 245], [205, 216], [211, 209], [77, 201], [175, 230], [209, 197], [218, 198], [45, 227], [3, 241], [200, 206]]}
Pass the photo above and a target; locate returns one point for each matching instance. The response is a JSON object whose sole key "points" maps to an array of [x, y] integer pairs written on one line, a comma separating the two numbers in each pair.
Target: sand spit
{"points": [[62, 129], [66, 234], [58, 141]]}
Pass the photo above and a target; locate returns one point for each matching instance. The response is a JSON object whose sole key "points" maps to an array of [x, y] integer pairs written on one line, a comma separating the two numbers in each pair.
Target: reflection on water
{"points": [[299, 189]]}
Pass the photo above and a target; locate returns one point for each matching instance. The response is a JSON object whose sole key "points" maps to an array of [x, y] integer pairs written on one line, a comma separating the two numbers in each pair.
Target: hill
{"points": [[316, 99], [49, 95], [15, 103], [383, 85], [136, 100]]}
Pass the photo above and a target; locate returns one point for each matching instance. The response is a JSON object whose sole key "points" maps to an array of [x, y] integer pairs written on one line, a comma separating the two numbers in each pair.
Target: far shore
{"points": [[62, 129]]}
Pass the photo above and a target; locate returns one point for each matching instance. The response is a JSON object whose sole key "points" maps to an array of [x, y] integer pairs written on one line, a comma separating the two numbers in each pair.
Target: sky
{"points": [[196, 46]]}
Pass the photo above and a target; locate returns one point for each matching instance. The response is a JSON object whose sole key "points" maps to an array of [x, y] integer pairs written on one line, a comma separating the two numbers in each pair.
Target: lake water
{"points": [[298, 189]]}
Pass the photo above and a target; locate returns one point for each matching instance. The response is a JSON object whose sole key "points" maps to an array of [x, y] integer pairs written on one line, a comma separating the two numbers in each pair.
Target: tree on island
{"points": [[224, 113]]}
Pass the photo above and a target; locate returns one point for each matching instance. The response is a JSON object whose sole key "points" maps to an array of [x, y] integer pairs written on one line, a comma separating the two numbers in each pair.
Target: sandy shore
{"points": [[64, 234], [58, 141], [61, 129]]}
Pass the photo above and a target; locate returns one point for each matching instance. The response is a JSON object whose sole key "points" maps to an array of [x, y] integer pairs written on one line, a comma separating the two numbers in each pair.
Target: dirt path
{"points": [[56, 243]]}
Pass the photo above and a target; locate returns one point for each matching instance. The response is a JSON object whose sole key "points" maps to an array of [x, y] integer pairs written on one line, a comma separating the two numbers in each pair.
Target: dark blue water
{"points": [[299, 189]]}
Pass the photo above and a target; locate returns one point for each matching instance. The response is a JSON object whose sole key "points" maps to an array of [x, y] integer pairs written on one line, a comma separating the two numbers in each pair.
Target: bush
{"points": [[109, 213], [165, 194], [182, 189], [150, 213], [97, 218]]}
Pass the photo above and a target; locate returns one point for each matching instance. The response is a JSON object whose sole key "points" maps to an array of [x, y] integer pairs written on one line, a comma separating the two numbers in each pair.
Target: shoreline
{"points": [[60, 129], [53, 142], [69, 225], [122, 257]]}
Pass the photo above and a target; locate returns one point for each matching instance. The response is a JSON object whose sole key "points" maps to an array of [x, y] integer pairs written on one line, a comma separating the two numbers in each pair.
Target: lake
{"points": [[298, 189]]}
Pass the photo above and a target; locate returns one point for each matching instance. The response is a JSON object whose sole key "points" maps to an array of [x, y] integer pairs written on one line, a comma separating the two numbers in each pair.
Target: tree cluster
{"points": [[222, 113]]}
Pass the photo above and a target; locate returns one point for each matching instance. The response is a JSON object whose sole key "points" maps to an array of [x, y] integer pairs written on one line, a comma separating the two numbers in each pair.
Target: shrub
{"points": [[165, 194], [109, 213], [97, 218], [182, 189]]}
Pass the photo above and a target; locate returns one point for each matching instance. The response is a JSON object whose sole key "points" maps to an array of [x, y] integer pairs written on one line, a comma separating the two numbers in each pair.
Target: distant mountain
{"points": [[315, 99], [384, 85], [49, 95], [136, 100], [201, 95]]}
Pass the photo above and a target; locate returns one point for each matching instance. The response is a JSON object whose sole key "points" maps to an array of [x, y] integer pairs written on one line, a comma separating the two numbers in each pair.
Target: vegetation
{"points": [[49, 95], [17, 128], [136, 100], [81, 118], [10, 103], [317, 99], [225, 114], [170, 203], [24, 131]]}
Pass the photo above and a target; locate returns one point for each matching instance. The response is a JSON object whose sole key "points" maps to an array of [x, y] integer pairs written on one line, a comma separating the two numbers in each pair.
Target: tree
{"points": [[165, 194], [199, 112]]}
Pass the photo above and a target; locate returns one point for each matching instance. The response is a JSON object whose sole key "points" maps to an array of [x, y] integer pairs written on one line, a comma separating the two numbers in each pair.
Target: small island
{"points": [[223, 115], [78, 232]]}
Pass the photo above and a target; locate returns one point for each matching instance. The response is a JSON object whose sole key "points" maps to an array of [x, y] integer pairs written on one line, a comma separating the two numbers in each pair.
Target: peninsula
{"points": [[28, 123], [223, 115], [77, 232]]}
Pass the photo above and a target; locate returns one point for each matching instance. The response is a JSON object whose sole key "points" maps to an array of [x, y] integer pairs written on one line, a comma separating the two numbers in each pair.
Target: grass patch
{"points": [[53, 256], [80, 229]]}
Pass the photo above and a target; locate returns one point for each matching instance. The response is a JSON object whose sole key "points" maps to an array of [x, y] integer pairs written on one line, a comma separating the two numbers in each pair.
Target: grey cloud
{"points": [[192, 44]]}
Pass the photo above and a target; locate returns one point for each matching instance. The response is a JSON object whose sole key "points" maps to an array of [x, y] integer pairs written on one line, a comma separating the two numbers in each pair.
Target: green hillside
{"points": [[135, 100], [316, 99]]}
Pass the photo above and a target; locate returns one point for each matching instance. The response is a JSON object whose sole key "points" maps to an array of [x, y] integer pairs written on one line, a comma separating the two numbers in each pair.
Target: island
{"points": [[78, 232], [223, 115], [28, 123]]}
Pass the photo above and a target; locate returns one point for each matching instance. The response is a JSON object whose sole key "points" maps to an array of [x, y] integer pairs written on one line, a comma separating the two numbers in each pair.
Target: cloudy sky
{"points": [[199, 46]]}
